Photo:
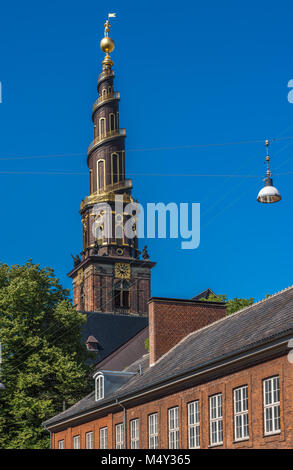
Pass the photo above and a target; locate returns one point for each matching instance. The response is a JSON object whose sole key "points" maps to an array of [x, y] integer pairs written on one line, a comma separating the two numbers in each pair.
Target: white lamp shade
{"points": [[268, 195]]}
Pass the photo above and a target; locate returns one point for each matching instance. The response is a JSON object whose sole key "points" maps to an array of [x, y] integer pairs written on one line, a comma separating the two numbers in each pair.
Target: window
{"points": [[119, 436], [173, 415], [153, 431], [271, 397], [89, 441], [61, 444], [121, 294], [193, 425], [216, 420], [112, 122], [76, 442], [102, 127], [91, 181], [99, 387], [134, 434], [101, 174], [241, 429], [104, 438], [115, 168]]}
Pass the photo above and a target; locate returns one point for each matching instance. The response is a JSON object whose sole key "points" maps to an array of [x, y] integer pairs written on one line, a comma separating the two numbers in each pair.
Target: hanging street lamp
{"points": [[268, 194]]}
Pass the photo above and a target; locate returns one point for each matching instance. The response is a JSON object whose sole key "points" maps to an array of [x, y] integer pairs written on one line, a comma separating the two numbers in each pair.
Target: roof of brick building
{"points": [[127, 353], [242, 331], [112, 331]]}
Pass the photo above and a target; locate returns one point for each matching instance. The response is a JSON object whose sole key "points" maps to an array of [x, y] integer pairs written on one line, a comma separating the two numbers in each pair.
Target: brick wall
{"points": [[253, 377], [171, 320], [98, 292]]}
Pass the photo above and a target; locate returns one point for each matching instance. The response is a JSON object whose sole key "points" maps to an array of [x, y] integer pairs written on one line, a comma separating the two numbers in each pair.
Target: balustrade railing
{"points": [[105, 136]]}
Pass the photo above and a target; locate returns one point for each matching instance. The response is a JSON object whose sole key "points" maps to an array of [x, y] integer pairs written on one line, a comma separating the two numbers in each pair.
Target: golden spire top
{"points": [[107, 44], [107, 28]]}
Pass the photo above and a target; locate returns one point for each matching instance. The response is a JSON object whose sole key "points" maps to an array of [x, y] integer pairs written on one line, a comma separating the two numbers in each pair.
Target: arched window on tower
{"points": [[117, 119], [115, 168], [102, 127], [121, 294], [91, 181], [101, 181], [112, 121]]}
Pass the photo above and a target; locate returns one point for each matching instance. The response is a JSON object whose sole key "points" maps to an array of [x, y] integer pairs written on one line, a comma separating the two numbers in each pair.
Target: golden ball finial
{"points": [[107, 45]]}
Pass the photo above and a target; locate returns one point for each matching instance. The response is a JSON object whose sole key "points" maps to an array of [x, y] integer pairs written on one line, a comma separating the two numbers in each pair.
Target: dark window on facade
{"points": [[112, 122], [115, 168], [102, 127], [121, 295], [101, 174]]}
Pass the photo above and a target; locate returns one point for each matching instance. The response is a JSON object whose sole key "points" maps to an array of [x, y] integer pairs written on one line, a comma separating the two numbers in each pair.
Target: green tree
{"points": [[147, 344], [44, 359], [233, 305]]}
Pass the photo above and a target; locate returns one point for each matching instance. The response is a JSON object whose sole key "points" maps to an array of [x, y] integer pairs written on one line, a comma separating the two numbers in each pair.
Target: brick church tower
{"points": [[110, 277]]}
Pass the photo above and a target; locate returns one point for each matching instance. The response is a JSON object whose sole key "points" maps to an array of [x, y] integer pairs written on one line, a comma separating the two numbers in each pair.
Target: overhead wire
{"points": [[54, 331]]}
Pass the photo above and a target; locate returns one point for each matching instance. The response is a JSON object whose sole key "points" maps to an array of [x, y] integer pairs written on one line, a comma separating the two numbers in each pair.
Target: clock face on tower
{"points": [[122, 270]]}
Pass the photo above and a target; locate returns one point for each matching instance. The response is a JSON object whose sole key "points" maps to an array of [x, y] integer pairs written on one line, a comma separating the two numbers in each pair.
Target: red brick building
{"points": [[210, 380]]}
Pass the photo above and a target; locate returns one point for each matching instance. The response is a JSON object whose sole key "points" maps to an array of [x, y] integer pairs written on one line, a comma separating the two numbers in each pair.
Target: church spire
{"points": [[106, 162], [110, 277]]}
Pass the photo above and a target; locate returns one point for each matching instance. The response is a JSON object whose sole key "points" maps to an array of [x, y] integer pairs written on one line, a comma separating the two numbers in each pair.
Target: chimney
{"points": [[171, 320]]}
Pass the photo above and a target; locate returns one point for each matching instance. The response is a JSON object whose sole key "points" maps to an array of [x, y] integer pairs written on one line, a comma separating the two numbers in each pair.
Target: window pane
{"points": [[216, 423], [115, 168]]}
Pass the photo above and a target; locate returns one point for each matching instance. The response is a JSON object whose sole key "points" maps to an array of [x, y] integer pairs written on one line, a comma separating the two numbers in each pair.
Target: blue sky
{"points": [[199, 73]]}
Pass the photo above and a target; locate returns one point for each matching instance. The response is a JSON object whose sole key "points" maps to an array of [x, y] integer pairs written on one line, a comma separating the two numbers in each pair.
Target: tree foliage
{"points": [[147, 344], [232, 305], [43, 355]]}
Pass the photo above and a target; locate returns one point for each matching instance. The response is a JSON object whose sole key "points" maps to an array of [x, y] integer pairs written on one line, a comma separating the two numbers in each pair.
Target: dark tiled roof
{"points": [[204, 294], [111, 331], [127, 353], [238, 332]]}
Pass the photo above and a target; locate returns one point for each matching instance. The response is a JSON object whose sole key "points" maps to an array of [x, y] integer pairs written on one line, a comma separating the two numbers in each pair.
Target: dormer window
{"points": [[92, 344], [99, 387], [107, 381]]}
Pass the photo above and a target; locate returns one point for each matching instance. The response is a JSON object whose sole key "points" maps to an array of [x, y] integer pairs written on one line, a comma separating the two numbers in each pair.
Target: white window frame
{"points": [[76, 442], [102, 134], [241, 421], [134, 433], [216, 419], [173, 427], [104, 438], [100, 391], [193, 425], [119, 436], [153, 431], [61, 444], [89, 440], [271, 404], [98, 174]]}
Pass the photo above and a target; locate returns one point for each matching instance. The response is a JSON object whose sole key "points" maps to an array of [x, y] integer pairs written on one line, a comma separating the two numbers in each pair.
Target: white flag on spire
{"points": [[111, 15]]}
